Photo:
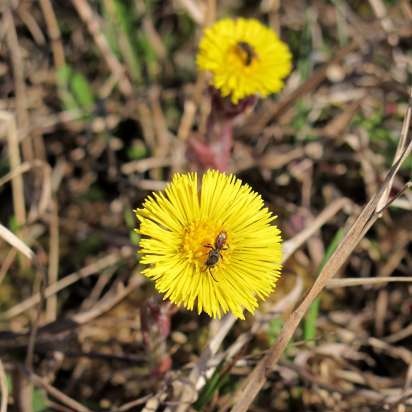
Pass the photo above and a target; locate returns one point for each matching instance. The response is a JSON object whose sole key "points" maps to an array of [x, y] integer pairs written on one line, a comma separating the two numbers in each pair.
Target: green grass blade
{"points": [[212, 385], [75, 91], [309, 326]]}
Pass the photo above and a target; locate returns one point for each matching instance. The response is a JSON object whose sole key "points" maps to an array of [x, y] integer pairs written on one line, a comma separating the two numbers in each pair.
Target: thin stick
{"points": [[39, 282], [53, 270], [131, 404], [7, 262], [3, 388], [348, 282], [55, 393], [400, 148], [186, 123]]}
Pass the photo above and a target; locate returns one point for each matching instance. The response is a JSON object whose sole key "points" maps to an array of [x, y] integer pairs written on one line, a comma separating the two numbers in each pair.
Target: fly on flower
{"points": [[244, 57], [222, 226], [248, 52]]}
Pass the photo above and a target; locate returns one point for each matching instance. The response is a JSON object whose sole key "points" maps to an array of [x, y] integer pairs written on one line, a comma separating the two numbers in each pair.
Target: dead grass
{"points": [[98, 102]]}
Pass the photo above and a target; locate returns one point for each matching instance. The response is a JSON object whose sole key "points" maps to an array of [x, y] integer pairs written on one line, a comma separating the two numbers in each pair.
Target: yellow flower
{"points": [[245, 58], [213, 247]]}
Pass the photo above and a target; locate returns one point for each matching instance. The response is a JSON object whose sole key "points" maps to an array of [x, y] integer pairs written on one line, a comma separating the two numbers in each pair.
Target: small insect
{"points": [[247, 51], [215, 252]]}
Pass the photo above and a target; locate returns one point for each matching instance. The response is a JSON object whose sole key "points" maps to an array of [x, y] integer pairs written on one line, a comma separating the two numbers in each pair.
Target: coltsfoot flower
{"points": [[244, 57], [213, 247]]}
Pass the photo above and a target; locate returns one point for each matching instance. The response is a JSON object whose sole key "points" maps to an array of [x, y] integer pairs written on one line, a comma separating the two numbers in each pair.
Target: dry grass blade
{"points": [[7, 262], [54, 32], [14, 156], [290, 246], [368, 216], [379, 8], [45, 196], [68, 280], [401, 148], [19, 79], [189, 393], [3, 388], [348, 282], [112, 298], [54, 254], [194, 9], [14, 241], [402, 334], [22, 390], [272, 110], [55, 393]]}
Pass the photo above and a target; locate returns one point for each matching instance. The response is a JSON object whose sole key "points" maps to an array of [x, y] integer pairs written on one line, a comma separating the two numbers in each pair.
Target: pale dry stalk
{"points": [[19, 81], [14, 241], [368, 216], [3, 389]]}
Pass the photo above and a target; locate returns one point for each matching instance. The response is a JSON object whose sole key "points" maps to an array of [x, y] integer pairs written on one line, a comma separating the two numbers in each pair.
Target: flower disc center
{"points": [[198, 240]]}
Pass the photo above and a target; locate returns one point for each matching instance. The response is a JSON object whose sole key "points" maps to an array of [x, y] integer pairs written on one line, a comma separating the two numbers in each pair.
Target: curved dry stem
{"points": [[368, 216]]}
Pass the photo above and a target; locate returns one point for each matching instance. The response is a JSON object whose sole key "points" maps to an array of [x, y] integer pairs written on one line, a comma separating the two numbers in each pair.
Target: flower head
{"points": [[213, 247], [245, 58]]}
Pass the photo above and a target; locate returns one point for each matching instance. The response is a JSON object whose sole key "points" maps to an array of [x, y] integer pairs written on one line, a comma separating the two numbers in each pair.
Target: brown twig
{"points": [[54, 33], [131, 404], [22, 390], [39, 284], [55, 393], [53, 270]]}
